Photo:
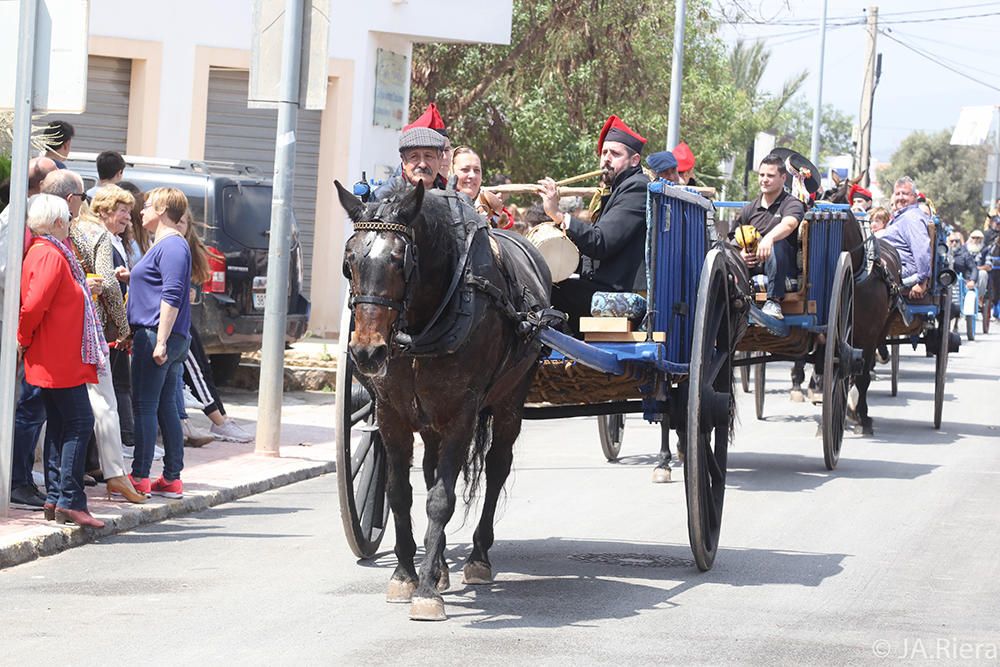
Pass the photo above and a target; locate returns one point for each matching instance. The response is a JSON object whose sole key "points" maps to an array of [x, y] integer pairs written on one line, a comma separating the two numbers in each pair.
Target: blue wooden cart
{"points": [[928, 322], [677, 373], [818, 322]]}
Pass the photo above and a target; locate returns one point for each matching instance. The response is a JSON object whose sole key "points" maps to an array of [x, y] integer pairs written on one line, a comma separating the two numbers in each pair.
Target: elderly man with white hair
{"points": [[62, 345]]}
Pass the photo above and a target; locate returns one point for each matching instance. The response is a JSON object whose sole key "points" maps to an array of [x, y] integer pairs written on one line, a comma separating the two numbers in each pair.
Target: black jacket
{"points": [[964, 263], [617, 241]]}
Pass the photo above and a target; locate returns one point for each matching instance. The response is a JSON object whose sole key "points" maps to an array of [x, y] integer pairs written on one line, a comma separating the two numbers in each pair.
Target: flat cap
{"points": [[420, 137], [661, 161]]}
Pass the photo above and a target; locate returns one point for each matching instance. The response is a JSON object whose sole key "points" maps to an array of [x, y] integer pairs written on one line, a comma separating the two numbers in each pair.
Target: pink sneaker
{"points": [[162, 487], [141, 485]]}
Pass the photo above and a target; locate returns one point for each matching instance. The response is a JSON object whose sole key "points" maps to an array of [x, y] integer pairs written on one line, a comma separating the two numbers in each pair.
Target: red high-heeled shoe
{"points": [[79, 517]]}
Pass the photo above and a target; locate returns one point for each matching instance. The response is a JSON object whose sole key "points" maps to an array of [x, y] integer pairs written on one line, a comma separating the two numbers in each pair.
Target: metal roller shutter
{"points": [[234, 133], [104, 125]]}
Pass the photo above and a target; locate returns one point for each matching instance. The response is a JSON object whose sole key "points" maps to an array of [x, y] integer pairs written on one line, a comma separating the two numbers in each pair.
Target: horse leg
{"points": [[661, 473], [427, 603], [798, 377], [399, 454], [506, 427], [432, 445], [863, 381]]}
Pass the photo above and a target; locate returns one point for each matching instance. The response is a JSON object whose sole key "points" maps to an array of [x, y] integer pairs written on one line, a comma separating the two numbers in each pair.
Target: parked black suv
{"points": [[234, 203]]}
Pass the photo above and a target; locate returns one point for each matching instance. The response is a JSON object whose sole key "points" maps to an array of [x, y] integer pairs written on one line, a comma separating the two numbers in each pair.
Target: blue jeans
{"points": [[28, 419], [179, 396], [154, 400], [70, 423], [779, 266]]}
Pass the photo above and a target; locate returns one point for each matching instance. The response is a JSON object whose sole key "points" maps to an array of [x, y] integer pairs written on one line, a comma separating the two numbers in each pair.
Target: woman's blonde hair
{"points": [[879, 214], [463, 150], [108, 197], [200, 273], [170, 201]]}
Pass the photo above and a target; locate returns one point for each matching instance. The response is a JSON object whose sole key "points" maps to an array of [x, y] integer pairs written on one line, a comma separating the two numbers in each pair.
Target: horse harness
{"points": [[460, 310]]}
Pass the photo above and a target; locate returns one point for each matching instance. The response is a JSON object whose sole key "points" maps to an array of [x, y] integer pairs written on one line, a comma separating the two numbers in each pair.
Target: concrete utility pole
{"points": [[23, 106], [817, 112], [272, 358], [676, 77], [868, 100]]}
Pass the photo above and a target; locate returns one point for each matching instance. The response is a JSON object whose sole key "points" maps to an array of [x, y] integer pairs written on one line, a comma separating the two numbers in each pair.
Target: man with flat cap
{"points": [[614, 246], [664, 165], [685, 163], [421, 152]]}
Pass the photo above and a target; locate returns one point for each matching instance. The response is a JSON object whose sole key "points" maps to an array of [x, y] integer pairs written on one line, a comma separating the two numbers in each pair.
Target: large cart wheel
{"points": [[611, 428], [759, 375], [361, 463], [987, 313], [941, 365], [837, 360], [894, 370], [709, 411]]}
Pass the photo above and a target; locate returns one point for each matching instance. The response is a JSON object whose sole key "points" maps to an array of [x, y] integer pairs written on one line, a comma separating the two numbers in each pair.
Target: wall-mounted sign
{"points": [[391, 75]]}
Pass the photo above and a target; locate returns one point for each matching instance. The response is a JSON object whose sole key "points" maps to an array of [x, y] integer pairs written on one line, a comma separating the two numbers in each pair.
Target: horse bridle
{"points": [[409, 262]]}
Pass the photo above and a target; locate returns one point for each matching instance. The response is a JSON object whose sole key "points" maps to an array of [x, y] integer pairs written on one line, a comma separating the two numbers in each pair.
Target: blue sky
{"points": [[914, 93]]}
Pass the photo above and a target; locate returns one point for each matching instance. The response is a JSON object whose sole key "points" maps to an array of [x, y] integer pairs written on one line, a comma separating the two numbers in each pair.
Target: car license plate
{"points": [[259, 290]]}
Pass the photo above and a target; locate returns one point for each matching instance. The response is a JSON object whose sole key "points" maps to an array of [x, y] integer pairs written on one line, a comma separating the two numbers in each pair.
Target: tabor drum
{"points": [[559, 252]]}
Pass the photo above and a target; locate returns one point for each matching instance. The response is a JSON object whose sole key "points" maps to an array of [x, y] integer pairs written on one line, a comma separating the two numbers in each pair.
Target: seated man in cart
{"points": [[908, 234], [614, 246], [776, 215]]}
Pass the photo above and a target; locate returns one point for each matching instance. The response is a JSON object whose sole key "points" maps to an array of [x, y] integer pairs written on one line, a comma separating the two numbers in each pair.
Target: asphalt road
{"points": [[894, 554]]}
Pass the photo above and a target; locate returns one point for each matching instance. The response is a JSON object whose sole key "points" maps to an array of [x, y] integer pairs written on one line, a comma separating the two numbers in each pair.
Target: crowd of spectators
{"points": [[105, 341]]}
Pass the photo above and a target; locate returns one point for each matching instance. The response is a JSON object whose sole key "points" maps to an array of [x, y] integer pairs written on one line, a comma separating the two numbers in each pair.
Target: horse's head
{"points": [[380, 261]]}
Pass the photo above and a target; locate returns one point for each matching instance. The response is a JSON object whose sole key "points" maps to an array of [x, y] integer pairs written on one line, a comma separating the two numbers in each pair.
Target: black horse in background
{"points": [[444, 339]]}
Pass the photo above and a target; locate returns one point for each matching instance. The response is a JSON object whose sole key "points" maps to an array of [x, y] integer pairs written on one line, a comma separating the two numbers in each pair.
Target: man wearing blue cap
{"points": [[664, 165]]}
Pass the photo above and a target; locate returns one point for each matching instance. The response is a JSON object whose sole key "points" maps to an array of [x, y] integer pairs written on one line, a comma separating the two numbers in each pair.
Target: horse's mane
{"points": [[440, 235]]}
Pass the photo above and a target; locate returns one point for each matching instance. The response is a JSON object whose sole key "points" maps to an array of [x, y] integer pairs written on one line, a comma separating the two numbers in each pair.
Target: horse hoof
{"points": [[661, 475], [400, 591], [477, 574], [427, 609], [797, 396], [444, 581]]}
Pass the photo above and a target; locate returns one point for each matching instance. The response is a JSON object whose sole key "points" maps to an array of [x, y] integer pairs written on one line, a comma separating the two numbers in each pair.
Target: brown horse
{"points": [[443, 342]]}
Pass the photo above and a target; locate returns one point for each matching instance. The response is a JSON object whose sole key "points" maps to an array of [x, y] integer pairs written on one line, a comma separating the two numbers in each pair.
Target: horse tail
{"points": [[475, 463]]}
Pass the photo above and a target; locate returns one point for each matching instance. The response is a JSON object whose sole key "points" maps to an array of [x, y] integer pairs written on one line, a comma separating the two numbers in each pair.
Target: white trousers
{"points": [[107, 429]]}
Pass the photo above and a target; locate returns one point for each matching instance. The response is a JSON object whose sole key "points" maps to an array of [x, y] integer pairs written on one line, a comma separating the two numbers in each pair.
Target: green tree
{"points": [[793, 126], [535, 107], [952, 176]]}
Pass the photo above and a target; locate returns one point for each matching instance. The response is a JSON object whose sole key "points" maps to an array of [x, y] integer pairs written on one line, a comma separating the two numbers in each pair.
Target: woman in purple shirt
{"points": [[159, 312]]}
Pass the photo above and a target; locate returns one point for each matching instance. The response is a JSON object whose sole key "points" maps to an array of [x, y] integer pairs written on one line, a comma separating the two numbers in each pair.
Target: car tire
{"points": [[224, 367]]}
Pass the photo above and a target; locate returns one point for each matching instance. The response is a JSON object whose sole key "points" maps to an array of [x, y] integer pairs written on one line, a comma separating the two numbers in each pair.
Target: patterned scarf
{"points": [[93, 347]]}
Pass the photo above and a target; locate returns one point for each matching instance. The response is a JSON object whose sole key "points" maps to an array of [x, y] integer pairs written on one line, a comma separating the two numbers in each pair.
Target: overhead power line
{"points": [[936, 60]]}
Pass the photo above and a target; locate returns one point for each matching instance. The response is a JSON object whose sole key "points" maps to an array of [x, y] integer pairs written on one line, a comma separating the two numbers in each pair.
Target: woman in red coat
{"points": [[60, 339]]}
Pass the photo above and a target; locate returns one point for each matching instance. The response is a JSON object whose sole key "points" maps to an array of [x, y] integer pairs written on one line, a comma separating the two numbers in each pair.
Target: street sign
{"points": [[973, 127], [60, 61], [265, 54]]}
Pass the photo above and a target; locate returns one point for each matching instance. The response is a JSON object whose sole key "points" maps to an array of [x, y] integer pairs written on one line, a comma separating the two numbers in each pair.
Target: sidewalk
{"points": [[217, 473]]}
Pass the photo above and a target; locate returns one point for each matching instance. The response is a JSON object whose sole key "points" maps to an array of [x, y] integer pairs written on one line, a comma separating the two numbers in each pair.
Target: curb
{"points": [[47, 540]]}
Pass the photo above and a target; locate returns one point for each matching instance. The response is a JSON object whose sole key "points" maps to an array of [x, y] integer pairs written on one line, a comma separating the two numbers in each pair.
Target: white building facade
{"points": [[169, 80]]}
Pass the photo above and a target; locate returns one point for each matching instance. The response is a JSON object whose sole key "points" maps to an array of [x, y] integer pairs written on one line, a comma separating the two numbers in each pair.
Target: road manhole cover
{"points": [[634, 560]]}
